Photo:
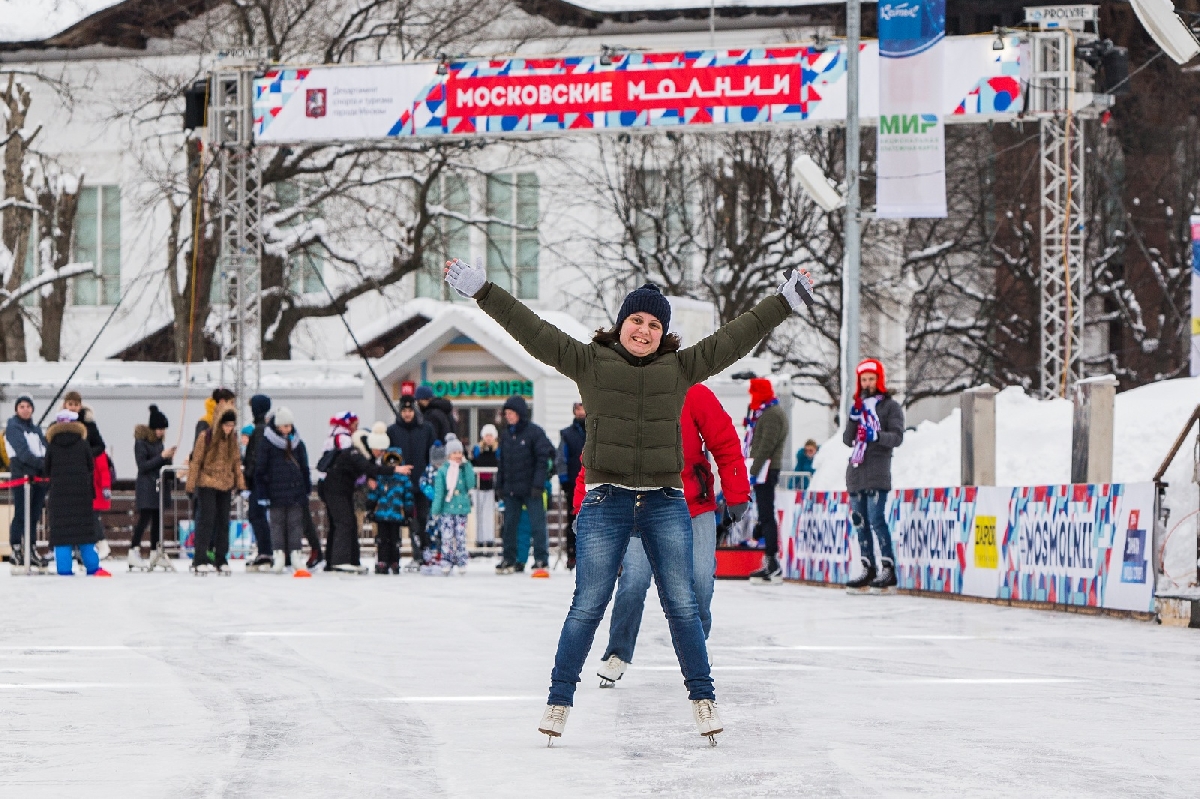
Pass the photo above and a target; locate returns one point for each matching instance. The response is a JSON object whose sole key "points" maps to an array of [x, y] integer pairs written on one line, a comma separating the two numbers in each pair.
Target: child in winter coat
{"points": [[452, 504], [214, 472], [283, 484], [69, 464], [391, 498]]}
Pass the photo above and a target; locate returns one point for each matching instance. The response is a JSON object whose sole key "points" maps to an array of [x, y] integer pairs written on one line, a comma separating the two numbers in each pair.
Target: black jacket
{"points": [[280, 476], [414, 439], [570, 450], [249, 462], [148, 455], [69, 464], [94, 439], [488, 459], [525, 455], [348, 466], [439, 413]]}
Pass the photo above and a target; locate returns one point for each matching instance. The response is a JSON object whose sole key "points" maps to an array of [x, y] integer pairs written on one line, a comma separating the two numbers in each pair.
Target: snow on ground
{"points": [[263, 685], [1033, 447]]}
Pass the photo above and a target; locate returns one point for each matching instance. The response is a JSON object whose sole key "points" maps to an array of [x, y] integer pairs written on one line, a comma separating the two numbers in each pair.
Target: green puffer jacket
{"points": [[770, 432], [633, 404]]}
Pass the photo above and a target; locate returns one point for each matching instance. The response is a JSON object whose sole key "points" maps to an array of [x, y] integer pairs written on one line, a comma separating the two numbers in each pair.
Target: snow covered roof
{"points": [[40, 24], [589, 13], [627, 6]]}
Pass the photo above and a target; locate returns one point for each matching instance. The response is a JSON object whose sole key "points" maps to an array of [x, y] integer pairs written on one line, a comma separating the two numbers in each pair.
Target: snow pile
{"points": [[1033, 447], [34, 20]]}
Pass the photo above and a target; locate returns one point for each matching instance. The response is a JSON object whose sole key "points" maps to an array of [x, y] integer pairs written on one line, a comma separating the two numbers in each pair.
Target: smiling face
{"points": [[641, 333]]}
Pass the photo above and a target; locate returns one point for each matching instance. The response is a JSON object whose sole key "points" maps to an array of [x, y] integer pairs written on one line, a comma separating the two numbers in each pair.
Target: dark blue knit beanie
{"points": [[647, 299]]}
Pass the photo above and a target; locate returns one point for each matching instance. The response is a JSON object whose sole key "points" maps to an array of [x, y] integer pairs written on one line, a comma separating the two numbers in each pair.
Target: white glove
{"points": [[467, 280], [798, 289]]}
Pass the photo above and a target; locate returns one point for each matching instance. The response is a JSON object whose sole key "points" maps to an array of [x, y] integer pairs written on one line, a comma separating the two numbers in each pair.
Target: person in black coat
{"points": [[284, 484], [437, 411], [69, 465], [348, 466], [150, 455], [568, 465], [414, 436], [256, 514], [525, 457]]}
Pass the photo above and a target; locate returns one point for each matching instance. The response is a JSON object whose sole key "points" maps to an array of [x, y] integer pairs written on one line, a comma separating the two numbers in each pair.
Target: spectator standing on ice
{"points": [[26, 445], [257, 514], [414, 436], [69, 465], [633, 379], [437, 411], [484, 455], [283, 486], [766, 432], [150, 455], [452, 505], [524, 456], [804, 465], [346, 465], [705, 428], [215, 473], [390, 499], [874, 428], [102, 474], [568, 463], [215, 406]]}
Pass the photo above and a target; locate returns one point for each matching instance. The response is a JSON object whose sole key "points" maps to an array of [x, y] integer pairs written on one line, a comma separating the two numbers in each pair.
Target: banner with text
{"points": [[620, 91], [911, 137], [1066, 544]]}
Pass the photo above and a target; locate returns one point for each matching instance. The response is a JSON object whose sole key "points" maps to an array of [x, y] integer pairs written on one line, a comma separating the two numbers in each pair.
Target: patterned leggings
{"points": [[453, 529]]}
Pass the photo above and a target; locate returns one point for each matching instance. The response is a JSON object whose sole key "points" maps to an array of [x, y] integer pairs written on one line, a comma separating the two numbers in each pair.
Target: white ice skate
{"points": [[298, 566], [103, 550], [277, 562], [350, 568], [159, 560], [554, 721], [203, 569], [135, 560], [704, 711], [611, 670], [224, 570]]}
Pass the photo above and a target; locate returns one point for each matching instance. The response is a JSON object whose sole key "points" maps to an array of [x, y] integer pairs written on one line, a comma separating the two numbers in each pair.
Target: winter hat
{"points": [[453, 444], [66, 416], [158, 420], [424, 392], [647, 299], [517, 403], [228, 416], [248, 430], [408, 401], [378, 438], [260, 404], [343, 420], [488, 430], [283, 415], [393, 456], [870, 365], [23, 398], [761, 391]]}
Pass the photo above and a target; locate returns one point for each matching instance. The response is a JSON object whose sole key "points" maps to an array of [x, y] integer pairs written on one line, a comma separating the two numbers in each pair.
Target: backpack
{"points": [[327, 458]]}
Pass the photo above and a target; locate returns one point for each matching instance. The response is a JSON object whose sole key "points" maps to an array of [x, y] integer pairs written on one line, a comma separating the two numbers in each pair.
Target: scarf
{"points": [[451, 479], [750, 421], [870, 419]]}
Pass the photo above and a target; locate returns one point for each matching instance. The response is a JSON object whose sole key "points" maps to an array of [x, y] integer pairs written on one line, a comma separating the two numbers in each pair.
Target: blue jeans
{"points": [[609, 516], [867, 514], [635, 582], [536, 508]]}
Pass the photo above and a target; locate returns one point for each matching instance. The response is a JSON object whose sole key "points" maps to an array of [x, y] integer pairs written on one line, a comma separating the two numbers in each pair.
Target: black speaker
{"points": [[1115, 62], [195, 105]]}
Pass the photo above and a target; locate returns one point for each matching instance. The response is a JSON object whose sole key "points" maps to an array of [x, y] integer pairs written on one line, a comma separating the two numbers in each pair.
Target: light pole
{"points": [[853, 254]]}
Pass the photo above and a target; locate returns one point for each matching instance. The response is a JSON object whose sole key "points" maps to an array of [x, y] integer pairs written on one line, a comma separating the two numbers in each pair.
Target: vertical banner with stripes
{"points": [[911, 143], [1195, 372]]}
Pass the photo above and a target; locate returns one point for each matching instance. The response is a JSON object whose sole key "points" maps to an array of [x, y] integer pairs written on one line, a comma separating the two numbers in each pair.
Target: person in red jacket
{"points": [[705, 428]]}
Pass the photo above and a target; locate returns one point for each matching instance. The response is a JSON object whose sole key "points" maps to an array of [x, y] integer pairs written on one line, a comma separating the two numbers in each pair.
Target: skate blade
{"points": [[858, 591], [607, 683], [883, 591]]}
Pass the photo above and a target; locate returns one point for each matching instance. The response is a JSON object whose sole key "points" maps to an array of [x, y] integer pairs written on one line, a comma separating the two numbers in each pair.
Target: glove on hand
{"points": [[467, 280], [856, 413], [798, 290], [266, 503], [736, 512], [245, 495], [872, 434]]}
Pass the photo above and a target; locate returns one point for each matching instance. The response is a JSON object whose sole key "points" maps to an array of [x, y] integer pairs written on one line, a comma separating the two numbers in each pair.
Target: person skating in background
{"points": [[437, 411], [706, 429], [26, 445], [214, 474], [69, 465], [390, 499], [414, 436], [804, 465], [284, 485], [633, 379], [452, 505], [524, 457], [875, 427], [149, 454], [257, 513], [766, 433], [568, 463], [484, 456], [346, 465]]}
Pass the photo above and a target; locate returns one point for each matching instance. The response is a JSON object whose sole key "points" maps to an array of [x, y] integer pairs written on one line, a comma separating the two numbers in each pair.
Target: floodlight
{"points": [[1168, 31], [819, 187]]}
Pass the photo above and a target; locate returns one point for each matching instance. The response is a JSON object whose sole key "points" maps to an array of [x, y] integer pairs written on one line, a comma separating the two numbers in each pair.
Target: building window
{"points": [[98, 240], [659, 220], [512, 239], [446, 237]]}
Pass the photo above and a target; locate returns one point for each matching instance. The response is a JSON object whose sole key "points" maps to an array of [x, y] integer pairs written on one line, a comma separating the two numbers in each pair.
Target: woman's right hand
{"points": [[798, 290], [467, 280]]}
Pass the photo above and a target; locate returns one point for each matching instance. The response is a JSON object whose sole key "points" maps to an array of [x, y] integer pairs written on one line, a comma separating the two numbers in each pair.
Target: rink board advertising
{"points": [[637, 90], [1061, 544]]}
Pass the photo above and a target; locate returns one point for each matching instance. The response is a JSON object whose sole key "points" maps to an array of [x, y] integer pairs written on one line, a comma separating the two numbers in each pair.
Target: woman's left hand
{"points": [[798, 289], [467, 280]]}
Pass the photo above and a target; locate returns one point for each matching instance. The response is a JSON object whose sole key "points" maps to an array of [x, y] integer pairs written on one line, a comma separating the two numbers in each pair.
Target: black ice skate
{"points": [[37, 563], [505, 567], [769, 574], [886, 582], [862, 583], [381, 568]]}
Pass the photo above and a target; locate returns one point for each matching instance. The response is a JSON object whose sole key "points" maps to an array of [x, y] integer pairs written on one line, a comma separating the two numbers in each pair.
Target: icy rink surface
{"points": [[168, 685]]}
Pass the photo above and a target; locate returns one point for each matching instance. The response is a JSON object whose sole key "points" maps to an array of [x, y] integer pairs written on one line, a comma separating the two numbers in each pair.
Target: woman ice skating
{"points": [[69, 464], [633, 380], [283, 485], [214, 473], [150, 455], [452, 504]]}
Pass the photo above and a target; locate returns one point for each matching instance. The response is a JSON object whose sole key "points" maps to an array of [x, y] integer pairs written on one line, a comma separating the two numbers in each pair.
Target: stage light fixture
{"points": [[1168, 31], [818, 186]]}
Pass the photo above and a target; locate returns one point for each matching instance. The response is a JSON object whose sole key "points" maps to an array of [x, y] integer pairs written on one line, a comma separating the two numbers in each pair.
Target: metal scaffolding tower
{"points": [[239, 183]]}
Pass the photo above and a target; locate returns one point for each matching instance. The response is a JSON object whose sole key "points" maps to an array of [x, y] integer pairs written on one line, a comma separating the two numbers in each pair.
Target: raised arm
{"points": [[540, 339]]}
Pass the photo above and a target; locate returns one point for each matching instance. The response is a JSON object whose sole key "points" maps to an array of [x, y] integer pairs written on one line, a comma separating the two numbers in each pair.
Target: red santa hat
{"points": [[761, 391], [870, 365]]}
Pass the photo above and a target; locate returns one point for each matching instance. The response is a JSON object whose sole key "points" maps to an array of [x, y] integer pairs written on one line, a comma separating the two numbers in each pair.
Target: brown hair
{"points": [[73, 396], [670, 341]]}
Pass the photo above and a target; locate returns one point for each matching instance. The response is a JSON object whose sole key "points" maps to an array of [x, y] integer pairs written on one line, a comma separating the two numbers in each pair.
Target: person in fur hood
{"points": [[69, 464], [150, 454]]}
